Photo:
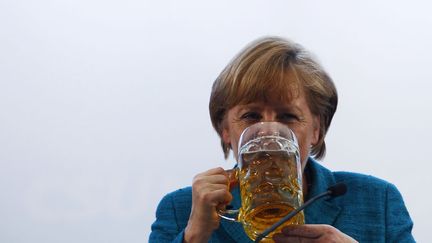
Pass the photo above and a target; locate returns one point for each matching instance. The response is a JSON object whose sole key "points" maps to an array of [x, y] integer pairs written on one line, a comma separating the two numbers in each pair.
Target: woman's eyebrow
{"points": [[242, 109], [249, 107], [290, 108]]}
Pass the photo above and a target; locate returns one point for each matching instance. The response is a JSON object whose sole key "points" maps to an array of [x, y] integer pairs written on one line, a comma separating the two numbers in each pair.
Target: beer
{"points": [[270, 187]]}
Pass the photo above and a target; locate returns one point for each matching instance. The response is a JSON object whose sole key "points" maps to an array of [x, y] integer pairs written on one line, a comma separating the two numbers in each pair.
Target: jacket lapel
{"points": [[323, 211]]}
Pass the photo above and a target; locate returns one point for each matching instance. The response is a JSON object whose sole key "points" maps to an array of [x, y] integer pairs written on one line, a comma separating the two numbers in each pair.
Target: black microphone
{"points": [[336, 190]]}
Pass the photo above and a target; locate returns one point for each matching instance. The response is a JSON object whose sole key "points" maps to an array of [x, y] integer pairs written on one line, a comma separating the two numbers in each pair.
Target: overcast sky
{"points": [[104, 104]]}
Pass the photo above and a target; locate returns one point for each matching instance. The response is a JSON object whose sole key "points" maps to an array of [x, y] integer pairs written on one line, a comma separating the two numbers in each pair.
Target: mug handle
{"points": [[229, 211], [232, 180]]}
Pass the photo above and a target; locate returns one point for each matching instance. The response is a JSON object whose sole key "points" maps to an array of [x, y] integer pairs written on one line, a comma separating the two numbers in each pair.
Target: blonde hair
{"points": [[260, 73]]}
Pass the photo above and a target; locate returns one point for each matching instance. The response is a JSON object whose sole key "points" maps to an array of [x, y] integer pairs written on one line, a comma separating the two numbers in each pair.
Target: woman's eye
{"points": [[251, 116], [287, 117]]}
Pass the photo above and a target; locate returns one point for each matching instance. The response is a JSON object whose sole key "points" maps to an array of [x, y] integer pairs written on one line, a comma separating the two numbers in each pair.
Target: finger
{"points": [[226, 200], [280, 238], [306, 231], [314, 233], [215, 171], [206, 181], [217, 197], [209, 187], [219, 179], [216, 175]]}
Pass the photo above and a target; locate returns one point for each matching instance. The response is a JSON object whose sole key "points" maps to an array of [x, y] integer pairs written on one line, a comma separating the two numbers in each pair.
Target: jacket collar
{"points": [[323, 211]]}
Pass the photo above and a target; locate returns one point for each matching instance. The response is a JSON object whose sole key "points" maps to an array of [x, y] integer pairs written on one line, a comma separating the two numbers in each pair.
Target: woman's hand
{"points": [[311, 233], [210, 193]]}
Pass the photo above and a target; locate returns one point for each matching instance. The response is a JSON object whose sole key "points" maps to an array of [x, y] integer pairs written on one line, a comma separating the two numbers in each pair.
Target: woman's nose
{"points": [[269, 116]]}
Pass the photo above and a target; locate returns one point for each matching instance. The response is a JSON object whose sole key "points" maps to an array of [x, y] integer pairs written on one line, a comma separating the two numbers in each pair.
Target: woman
{"points": [[274, 79]]}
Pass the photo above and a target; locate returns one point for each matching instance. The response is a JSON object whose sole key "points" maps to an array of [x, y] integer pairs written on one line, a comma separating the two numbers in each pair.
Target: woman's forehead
{"points": [[272, 97], [296, 103], [282, 86]]}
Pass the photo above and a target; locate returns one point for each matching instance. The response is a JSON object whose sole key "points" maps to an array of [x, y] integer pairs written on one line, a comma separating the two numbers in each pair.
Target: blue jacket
{"points": [[372, 210]]}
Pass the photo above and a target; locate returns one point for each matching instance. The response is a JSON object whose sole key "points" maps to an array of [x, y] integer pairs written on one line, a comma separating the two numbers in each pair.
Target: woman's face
{"points": [[295, 114]]}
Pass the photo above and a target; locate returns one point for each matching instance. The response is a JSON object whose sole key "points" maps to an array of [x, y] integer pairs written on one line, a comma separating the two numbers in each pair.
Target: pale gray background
{"points": [[103, 104]]}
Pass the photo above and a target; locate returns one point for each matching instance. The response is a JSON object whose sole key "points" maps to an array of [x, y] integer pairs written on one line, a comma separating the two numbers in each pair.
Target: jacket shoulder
{"points": [[360, 179], [172, 215], [180, 195], [181, 201], [373, 207], [366, 190]]}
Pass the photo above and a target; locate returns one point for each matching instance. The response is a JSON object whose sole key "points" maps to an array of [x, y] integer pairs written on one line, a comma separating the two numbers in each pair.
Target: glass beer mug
{"points": [[270, 178]]}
